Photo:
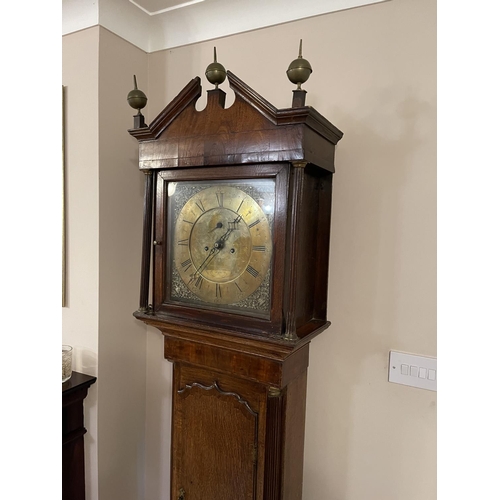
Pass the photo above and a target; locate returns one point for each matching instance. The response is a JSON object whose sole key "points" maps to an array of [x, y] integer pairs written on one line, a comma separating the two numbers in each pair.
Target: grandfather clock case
{"points": [[236, 229]]}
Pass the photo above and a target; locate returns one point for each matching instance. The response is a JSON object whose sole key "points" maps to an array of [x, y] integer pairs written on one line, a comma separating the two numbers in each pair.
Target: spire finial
{"points": [[299, 70], [215, 72], [137, 99]]}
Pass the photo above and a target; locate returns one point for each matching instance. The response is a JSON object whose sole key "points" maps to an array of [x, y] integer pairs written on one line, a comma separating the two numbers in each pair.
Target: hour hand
{"points": [[218, 226]]}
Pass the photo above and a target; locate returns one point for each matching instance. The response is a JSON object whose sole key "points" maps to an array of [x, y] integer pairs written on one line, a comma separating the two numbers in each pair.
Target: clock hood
{"points": [[181, 136]]}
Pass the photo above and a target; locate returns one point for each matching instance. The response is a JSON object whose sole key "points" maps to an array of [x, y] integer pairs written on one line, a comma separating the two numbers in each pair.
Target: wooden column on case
{"points": [[146, 239]]}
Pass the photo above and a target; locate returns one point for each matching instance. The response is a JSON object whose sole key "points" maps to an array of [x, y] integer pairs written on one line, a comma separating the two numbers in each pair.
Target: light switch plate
{"points": [[413, 370]]}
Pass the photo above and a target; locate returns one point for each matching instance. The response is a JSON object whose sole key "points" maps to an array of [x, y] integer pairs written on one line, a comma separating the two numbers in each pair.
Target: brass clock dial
{"points": [[222, 239]]}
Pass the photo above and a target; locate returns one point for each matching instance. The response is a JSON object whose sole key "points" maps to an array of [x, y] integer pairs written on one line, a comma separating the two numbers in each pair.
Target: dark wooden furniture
{"points": [[239, 389], [74, 391]]}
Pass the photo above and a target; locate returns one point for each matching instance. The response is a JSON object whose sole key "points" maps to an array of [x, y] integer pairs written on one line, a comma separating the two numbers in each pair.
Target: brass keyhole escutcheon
{"points": [[181, 494]]}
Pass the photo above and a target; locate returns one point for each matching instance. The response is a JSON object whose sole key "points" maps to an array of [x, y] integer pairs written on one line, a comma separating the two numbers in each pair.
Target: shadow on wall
{"points": [[158, 418], [375, 161], [84, 361]]}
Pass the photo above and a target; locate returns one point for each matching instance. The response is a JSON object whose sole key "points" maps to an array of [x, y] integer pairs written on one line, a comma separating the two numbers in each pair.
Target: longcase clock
{"points": [[236, 228]]}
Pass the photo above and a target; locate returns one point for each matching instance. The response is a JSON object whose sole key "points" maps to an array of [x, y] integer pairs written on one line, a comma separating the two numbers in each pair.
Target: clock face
{"points": [[221, 243]]}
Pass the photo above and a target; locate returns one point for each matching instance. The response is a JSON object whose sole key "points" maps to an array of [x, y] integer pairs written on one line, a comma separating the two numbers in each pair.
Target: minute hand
{"points": [[218, 245], [207, 261], [214, 251]]}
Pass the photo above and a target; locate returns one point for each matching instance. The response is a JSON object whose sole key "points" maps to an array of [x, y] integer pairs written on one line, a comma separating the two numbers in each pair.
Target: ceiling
{"points": [[155, 7], [154, 25]]}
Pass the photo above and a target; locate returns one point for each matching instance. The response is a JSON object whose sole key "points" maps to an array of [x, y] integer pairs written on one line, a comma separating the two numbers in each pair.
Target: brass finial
{"points": [[137, 98], [299, 70], [215, 72]]}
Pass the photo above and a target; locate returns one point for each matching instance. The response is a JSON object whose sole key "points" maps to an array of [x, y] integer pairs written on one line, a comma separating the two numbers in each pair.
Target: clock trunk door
{"points": [[215, 442]]}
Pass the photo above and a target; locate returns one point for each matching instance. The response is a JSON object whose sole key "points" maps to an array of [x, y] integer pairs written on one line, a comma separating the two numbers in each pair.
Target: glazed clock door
{"points": [[220, 245], [215, 443]]}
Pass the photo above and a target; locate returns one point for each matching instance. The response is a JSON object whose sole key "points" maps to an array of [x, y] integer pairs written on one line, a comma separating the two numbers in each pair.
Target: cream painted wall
{"points": [[122, 339], [105, 195], [192, 23], [375, 78], [214, 19], [80, 320]]}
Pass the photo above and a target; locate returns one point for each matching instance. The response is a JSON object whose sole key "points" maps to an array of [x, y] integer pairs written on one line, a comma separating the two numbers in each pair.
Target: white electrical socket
{"points": [[413, 370]]}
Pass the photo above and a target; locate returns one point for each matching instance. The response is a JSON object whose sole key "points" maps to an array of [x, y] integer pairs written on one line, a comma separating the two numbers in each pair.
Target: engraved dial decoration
{"points": [[222, 241]]}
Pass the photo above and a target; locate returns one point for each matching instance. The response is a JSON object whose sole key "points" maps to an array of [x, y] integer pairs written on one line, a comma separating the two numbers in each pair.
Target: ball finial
{"points": [[137, 98], [215, 72], [299, 70]]}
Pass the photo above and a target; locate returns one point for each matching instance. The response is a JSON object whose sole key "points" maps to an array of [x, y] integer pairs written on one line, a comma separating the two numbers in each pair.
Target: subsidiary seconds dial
{"points": [[222, 244]]}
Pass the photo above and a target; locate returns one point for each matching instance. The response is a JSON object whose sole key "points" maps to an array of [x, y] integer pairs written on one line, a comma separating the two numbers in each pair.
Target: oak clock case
{"points": [[237, 223]]}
